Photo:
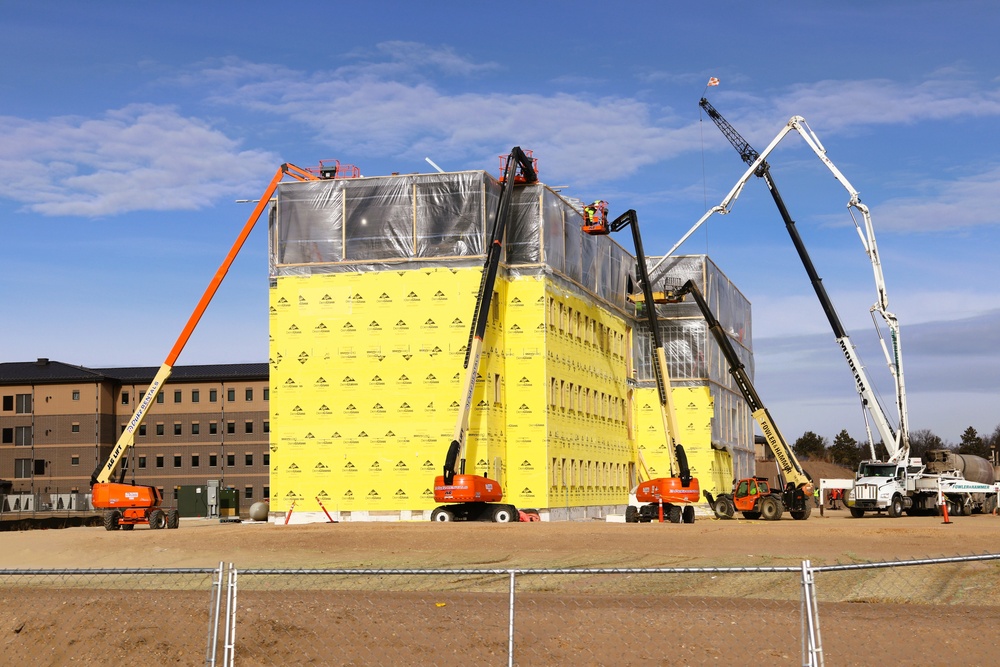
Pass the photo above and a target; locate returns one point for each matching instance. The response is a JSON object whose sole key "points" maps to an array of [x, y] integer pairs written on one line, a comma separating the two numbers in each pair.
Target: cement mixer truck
{"points": [[963, 482]]}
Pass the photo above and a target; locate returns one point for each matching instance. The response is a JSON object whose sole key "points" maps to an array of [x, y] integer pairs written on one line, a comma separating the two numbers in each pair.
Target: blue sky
{"points": [[129, 131]]}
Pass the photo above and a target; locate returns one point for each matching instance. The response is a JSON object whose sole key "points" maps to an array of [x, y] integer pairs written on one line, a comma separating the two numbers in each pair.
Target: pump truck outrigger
{"points": [[673, 496], [753, 496], [474, 497], [128, 505]]}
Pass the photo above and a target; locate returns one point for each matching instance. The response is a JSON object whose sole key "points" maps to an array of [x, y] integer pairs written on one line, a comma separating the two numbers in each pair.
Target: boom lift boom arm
{"points": [[667, 409], [455, 460], [104, 472]]}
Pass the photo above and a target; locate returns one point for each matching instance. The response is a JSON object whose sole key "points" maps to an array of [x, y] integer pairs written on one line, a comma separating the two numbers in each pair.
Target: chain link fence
{"points": [[934, 611]]}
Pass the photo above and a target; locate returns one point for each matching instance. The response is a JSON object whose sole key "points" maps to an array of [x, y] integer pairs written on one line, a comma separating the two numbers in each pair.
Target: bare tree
{"points": [[924, 439]]}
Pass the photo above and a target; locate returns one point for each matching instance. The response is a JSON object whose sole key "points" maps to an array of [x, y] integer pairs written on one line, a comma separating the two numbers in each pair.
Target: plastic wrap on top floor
{"points": [[372, 224], [372, 220]]}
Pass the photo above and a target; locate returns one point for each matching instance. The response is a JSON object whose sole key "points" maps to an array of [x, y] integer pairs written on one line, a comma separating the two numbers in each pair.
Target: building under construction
{"points": [[373, 287]]}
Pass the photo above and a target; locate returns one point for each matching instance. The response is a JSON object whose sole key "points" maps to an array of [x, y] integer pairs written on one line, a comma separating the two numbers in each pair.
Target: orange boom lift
{"points": [[672, 497], [128, 505], [474, 497]]}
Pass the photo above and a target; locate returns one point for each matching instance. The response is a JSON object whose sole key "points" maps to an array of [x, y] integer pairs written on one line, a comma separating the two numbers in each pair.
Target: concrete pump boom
{"points": [[895, 441]]}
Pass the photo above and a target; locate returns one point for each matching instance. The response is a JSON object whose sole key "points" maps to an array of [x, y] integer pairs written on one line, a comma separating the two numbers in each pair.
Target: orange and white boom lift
{"points": [[474, 497], [674, 495], [128, 505]]}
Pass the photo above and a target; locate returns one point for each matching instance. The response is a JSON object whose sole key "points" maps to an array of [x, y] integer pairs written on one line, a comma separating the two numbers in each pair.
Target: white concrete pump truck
{"points": [[964, 483]]}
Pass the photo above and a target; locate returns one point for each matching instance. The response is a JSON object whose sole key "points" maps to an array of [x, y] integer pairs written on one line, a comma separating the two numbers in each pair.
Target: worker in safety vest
{"points": [[596, 213]]}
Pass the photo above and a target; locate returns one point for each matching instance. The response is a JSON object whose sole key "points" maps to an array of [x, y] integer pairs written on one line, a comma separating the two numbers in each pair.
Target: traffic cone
{"points": [[944, 507]]}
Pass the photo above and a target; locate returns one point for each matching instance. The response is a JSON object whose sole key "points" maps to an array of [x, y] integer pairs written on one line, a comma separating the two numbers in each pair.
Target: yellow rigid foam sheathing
{"points": [[694, 418], [365, 371]]}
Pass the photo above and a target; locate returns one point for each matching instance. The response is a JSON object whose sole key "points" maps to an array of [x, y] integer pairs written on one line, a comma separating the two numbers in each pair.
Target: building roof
{"points": [[45, 371]]}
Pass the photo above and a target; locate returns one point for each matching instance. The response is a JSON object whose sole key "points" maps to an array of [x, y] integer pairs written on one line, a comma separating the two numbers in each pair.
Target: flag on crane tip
{"points": [[713, 81]]}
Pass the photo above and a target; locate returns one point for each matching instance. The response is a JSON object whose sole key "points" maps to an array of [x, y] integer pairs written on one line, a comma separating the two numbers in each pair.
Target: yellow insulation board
{"points": [[695, 410], [366, 370]]}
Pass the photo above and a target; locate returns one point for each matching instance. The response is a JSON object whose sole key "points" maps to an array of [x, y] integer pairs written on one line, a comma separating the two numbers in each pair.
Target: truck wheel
{"points": [[173, 519], [503, 514], [672, 514], [770, 509], [111, 518], [857, 513], [687, 514], [631, 514], [896, 507], [442, 514], [967, 508], [157, 519]]}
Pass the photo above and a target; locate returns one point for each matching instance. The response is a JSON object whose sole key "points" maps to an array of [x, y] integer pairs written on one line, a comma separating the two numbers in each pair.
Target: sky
{"points": [[130, 133]]}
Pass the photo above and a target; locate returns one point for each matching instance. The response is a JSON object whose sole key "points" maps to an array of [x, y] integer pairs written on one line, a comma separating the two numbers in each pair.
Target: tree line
{"points": [[847, 451]]}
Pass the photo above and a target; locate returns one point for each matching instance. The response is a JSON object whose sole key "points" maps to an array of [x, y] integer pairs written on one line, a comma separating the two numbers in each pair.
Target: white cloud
{"points": [[140, 157]]}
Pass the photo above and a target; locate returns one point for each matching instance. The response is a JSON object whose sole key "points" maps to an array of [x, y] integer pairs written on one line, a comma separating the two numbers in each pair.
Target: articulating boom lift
{"points": [[674, 494], [796, 485], [477, 498], [128, 505]]}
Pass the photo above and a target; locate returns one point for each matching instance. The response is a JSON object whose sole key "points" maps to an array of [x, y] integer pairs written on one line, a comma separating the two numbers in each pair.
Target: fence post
{"points": [[213, 629], [229, 652], [812, 644], [510, 626]]}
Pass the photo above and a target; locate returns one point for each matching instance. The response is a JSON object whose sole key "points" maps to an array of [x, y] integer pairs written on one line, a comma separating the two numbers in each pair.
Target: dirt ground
{"points": [[575, 620], [833, 538]]}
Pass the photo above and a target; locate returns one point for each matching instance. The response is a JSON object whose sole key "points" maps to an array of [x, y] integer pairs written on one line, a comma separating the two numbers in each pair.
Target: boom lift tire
{"points": [[442, 514], [770, 508], [504, 514], [687, 514], [673, 514], [111, 518], [173, 519], [631, 514], [157, 519]]}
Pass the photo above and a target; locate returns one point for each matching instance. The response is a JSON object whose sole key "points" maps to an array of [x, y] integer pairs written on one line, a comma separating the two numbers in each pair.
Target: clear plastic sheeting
{"points": [[693, 356], [373, 224], [331, 225]]}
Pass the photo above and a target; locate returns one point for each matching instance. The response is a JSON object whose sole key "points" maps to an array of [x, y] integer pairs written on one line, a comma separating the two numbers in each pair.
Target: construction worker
{"points": [[596, 214]]}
